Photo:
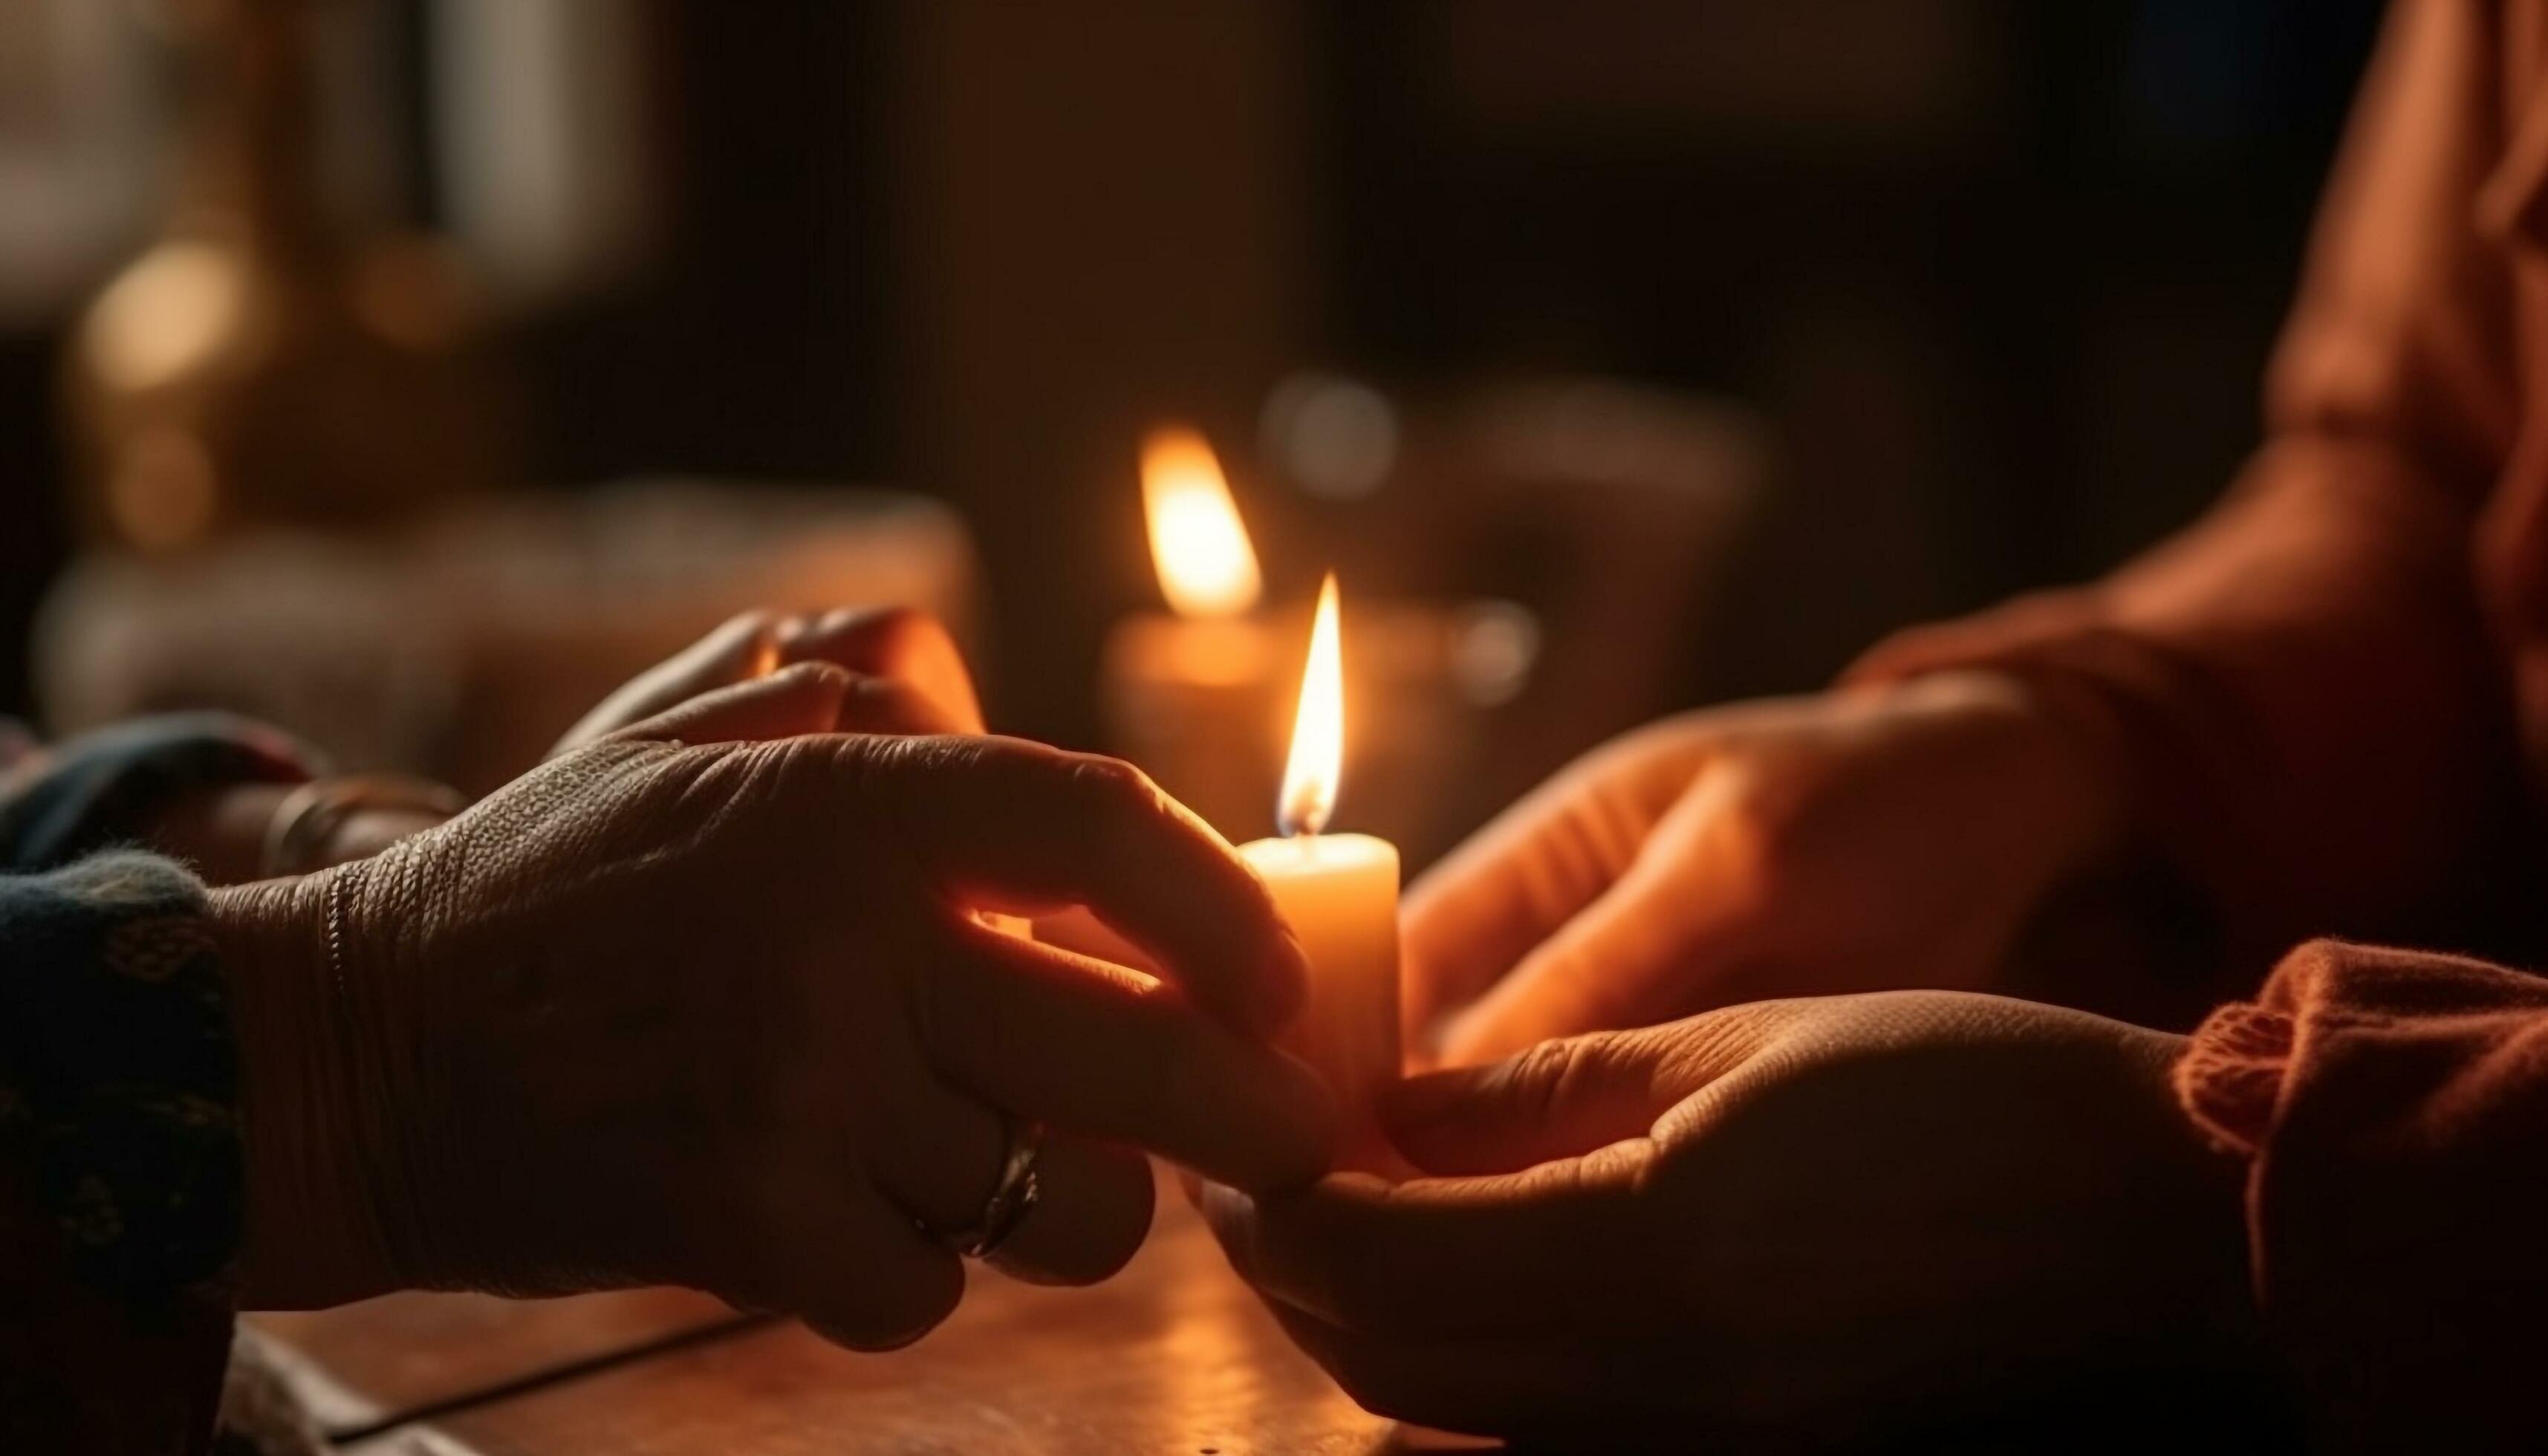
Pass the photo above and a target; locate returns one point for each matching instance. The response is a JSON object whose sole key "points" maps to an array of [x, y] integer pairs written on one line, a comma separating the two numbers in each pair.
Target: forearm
{"points": [[2296, 698], [2299, 693]]}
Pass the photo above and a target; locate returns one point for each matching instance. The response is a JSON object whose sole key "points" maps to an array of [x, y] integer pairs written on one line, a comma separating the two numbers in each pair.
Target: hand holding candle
{"points": [[1340, 893]]}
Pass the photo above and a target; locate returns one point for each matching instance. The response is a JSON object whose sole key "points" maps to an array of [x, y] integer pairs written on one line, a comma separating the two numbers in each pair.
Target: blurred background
{"points": [[409, 370]]}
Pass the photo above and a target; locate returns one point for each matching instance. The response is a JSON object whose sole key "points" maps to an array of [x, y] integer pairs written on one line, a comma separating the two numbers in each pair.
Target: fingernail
{"points": [[1225, 1207]]}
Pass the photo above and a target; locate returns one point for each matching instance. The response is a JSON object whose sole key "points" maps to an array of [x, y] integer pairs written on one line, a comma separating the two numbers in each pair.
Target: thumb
{"points": [[795, 701], [1557, 1100], [1566, 1098]]}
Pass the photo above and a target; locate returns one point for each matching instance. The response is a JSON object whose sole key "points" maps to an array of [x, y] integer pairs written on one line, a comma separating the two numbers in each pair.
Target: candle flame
{"points": [[1319, 730], [1206, 567]]}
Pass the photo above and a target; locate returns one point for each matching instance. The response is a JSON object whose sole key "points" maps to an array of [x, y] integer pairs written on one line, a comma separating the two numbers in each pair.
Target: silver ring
{"points": [[1012, 1197]]}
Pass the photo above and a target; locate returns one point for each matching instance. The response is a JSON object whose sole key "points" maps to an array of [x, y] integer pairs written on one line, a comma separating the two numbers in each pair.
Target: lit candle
{"points": [[1193, 695], [1340, 893], [1206, 567]]}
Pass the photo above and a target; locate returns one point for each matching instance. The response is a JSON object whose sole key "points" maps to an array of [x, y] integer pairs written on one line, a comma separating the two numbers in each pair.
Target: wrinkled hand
{"points": [[1790, 1221], [907, 675], [703, 1003], [1803, 846]]}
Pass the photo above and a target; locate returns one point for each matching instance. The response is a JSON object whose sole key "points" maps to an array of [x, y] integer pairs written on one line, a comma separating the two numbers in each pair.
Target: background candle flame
{"points": [[1309, 774], [1207, 569]]}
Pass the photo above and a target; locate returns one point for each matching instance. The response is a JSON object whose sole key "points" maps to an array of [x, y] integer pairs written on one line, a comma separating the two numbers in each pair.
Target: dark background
{"points": [[2000, 276]]}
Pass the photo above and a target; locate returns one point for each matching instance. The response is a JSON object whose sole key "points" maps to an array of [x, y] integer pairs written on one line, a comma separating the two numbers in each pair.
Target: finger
{"points": [[1511, 885], [1090, 1217], [742, 648], [875, 1282], [895, 642], [1559, 1099], [1107, 1053], [1018, 827], [790, 702], [1073, 929], [853, 1266], [890, 705], [1562, 1244], [1645, 950], [940, 1156]]}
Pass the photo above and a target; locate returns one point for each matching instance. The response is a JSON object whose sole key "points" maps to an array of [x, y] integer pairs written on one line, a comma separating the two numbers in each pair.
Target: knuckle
{"points": [[1550, 1075], [1539, 1066], [1112, 787]]}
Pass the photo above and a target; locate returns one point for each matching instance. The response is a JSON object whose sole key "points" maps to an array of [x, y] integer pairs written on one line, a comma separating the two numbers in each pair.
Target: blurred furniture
{"points": [[463, 650], [267, 362]]}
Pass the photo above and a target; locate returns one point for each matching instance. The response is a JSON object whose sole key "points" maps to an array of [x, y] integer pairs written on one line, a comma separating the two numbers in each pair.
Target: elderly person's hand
{"points": [[1796, 1221], [907, 676], [1851, 841], [707, 1002]]}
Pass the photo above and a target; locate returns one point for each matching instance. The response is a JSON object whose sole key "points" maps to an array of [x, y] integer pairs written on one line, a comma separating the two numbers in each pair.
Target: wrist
{"points": [[225, 832], [312, 1235]]}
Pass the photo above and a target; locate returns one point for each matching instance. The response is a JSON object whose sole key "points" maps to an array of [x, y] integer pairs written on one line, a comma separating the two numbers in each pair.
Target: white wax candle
{"points": [[1339, 892]]}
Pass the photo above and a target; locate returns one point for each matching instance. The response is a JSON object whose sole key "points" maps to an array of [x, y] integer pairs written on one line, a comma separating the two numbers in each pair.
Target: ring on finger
{"points": [[1019, 1188]]}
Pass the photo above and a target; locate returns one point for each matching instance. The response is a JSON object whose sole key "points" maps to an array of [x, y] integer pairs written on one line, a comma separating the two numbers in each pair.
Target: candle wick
{"points": [[1298, 825]]}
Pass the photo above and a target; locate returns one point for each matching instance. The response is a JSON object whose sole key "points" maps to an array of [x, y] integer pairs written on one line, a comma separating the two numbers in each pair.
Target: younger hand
{"points": [[1823, 1220], [1806, 846]]}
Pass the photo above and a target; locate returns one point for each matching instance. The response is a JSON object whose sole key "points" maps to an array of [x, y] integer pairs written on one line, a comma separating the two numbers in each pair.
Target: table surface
{"points": [[1171, 1355]]}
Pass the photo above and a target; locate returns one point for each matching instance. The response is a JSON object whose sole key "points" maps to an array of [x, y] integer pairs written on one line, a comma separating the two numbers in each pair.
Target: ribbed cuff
{"points": [[2230, 1078]]}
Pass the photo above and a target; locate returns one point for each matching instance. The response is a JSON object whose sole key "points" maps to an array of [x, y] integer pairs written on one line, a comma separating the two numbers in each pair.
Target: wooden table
{"points": [[1172, 1355]]}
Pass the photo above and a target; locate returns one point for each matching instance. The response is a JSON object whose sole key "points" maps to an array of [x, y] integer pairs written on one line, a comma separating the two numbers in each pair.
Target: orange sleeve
{"points": [[2298, 691], [2393, 1106]]}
